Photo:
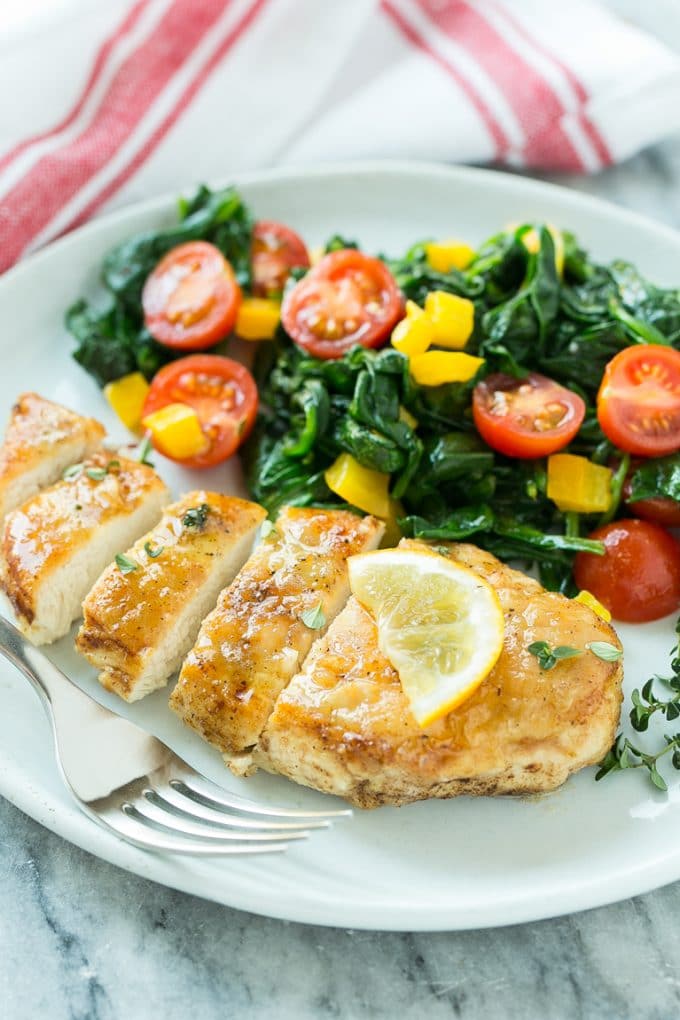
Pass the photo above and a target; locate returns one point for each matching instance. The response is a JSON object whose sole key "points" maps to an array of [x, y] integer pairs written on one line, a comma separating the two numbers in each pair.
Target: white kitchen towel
{"points": [[105, 103]]}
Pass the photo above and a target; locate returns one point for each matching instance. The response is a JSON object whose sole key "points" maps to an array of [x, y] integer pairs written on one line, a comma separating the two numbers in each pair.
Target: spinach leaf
{"points": [[656, 478]]}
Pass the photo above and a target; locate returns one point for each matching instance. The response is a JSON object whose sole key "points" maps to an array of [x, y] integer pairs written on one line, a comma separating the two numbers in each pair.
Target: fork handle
{"points": [[58, 694]]}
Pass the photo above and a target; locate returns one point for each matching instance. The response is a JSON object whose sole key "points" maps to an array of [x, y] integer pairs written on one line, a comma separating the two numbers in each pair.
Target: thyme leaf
{"points": [[196, 516], [314, 618], [125, 564], [549, 657]]}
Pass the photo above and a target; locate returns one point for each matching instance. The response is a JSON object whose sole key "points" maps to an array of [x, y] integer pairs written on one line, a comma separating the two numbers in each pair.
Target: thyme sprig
{"points": [[646, 703]]}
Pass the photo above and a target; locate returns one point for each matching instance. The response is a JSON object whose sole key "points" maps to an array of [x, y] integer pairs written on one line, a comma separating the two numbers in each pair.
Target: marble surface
{"points": [[81, 940]]}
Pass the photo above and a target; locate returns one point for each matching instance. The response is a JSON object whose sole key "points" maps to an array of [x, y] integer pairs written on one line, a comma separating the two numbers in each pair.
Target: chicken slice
{"points": [[41, 439], [56, 544], [139, 625], [255, 640], [343, 725]]}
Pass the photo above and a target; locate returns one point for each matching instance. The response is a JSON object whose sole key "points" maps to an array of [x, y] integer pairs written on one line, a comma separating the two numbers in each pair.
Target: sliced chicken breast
{"points": [[140, 624], [264, 624], [41, 439], [56, 544], [343, 724]]}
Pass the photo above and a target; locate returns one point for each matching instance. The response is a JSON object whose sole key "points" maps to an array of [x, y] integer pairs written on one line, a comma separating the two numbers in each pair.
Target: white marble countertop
{"points": [[81, 940]]}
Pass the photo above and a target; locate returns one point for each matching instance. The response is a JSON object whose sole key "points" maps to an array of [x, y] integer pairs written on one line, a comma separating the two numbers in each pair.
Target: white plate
{"points": [[464, 863]]}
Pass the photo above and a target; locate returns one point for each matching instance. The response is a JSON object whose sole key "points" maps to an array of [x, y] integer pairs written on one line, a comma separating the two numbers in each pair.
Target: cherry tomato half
{"points": [[191, 299], [276, 250], [638, 578], [526, 418], [221, 391], [347, 298], [638, 404]]}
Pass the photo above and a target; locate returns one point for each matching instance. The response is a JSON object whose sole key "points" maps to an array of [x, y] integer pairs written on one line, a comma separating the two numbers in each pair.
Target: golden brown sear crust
{"points": [[40, 440], [255, 640], [48, 530], [138, 625], [343, 724]]}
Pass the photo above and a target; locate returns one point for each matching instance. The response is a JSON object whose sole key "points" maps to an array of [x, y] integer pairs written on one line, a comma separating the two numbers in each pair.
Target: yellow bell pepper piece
{"points": [[415, 333], [176, 431], [589, 600], [393, 533], [126, 396], [359, 485], [444, 256], [532, 243], [575, 483], [316, 254], [452, 317], [257, 318], [437, 367], [407, 418]]}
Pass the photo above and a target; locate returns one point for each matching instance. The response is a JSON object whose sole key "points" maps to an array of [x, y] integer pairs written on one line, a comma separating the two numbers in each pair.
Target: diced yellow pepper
{"points": [[532, 243], [452, 317], [126, 396], [359, 485], [414, 334], [393, 533], [407, 418], [576, 484], [589, 600], [437, 367], [257, 318], [176, 431], [444, 256]]}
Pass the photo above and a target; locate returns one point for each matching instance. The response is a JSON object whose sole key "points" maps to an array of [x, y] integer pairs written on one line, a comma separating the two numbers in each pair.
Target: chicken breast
{"points": [[56, 544], [343, 725], [256, 639], [139, 625], [41, 439]]}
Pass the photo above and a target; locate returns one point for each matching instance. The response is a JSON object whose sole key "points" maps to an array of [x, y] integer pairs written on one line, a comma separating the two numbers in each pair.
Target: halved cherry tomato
{"points": [[638, 578], [221, 391], [526, 418], [638, 405], [347, 298], [276, 250], [191, 299]]}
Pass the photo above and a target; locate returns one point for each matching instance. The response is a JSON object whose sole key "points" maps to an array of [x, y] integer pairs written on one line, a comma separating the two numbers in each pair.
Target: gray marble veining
{"points": [[82, 940]]}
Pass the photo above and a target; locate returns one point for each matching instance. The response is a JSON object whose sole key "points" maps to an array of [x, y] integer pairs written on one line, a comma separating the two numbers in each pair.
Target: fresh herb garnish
{"points": [[549, 657], [143, 452], [625, 755], [605, 651], [196, 516], [153, 553], [97, 474], [125, 564], [266, 529], [314, 618], [646, 703]]}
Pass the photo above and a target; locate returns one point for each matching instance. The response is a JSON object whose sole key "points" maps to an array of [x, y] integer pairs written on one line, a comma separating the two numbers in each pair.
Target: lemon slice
{"points": [[439, 624]]}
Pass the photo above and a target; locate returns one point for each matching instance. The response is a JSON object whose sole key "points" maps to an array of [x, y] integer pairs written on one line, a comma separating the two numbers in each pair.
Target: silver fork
{"points": [[132, 784]]}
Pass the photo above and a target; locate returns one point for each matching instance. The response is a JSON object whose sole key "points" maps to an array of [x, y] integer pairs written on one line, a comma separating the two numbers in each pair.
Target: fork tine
{"points": [[147, 838], [202, 790], [148, 813], [173, 799]]}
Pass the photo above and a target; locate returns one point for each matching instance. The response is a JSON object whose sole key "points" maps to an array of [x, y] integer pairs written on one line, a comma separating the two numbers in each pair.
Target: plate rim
{"points": [[66, 820]]}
